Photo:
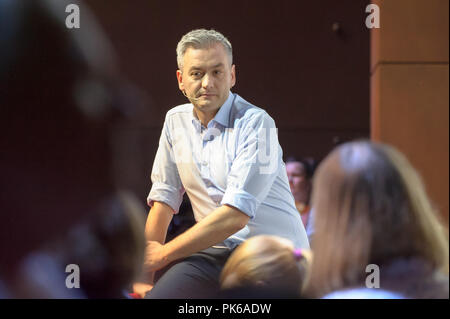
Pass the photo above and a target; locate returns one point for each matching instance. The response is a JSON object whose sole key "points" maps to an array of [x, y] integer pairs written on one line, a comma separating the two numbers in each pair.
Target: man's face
{"points": [[207, 75]]}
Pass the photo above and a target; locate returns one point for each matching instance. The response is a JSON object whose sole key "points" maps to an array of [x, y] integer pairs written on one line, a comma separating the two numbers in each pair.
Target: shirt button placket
{"points": [[204, 159]]}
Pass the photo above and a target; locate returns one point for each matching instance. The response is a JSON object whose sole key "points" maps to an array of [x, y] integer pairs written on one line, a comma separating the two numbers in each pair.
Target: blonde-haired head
{"points": [[266, 261]]}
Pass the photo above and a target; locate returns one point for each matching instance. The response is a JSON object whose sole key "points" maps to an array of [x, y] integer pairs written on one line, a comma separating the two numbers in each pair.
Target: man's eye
{"points": [[196, 74]]}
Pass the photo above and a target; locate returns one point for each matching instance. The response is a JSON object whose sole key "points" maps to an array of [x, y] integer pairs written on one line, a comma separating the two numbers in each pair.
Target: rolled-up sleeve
{"points": [[255, 166], [166, 182]]}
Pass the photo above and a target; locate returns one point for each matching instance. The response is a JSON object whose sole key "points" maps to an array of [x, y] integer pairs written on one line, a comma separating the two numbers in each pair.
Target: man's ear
{"points": [[233, 75], [180, 80]]}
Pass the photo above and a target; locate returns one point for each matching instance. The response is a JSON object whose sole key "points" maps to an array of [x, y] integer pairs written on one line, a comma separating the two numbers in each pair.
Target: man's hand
{"points": [[141, 288], [154, 257]]}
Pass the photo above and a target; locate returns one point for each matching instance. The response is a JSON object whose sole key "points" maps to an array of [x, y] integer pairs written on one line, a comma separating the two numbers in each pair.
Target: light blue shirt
{"points": [[310, 227], [235, 160], [363, 293]]}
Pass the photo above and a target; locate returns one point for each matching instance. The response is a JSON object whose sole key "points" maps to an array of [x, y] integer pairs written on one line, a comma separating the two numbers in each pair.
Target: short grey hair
{"points": [[199, 39]]}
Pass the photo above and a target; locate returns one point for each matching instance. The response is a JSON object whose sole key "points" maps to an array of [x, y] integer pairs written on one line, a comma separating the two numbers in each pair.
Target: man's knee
{"points": [[193, 277]]}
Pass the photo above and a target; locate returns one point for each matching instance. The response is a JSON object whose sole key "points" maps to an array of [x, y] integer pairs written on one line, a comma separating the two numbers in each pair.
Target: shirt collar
{"points": [[222, 116]]}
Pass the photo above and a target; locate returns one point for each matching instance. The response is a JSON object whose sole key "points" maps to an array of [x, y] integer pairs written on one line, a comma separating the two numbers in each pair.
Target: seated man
{"points": [[224, 153]]}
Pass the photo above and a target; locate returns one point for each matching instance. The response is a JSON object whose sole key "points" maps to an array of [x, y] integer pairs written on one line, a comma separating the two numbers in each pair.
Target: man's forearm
{"points": [[158, 221], [213, 229]]}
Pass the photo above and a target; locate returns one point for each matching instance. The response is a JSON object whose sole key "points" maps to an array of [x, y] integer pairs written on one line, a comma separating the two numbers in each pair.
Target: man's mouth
{"points": [[207, 95]]}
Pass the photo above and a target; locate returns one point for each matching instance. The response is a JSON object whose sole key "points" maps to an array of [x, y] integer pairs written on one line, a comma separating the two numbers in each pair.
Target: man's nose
{"points": [[207, 81]]}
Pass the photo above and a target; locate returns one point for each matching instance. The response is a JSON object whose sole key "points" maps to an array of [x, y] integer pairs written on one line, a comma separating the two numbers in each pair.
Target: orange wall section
{"points": [[409, 88], [411, 31]]}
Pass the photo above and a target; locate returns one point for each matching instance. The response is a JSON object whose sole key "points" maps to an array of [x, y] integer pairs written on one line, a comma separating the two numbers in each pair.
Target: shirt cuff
{"points": [[167, 194], [245, 202]]}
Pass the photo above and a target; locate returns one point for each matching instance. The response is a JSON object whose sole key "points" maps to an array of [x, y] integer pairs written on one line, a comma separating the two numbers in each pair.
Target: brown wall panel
{"points": [[413, 115], [411, 31], [409, 88], [324, 140]]}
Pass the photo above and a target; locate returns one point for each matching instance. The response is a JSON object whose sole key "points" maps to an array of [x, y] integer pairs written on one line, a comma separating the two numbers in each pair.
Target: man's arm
{"points": [[158, 221], [214, 228], [156, 227]]}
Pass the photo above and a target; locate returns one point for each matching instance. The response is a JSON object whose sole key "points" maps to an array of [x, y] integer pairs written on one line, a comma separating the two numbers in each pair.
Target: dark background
{"points": [[305, 62]]}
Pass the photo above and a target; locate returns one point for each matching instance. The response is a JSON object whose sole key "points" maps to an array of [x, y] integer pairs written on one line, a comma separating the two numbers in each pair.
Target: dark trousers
{"points": [[195, 277]]}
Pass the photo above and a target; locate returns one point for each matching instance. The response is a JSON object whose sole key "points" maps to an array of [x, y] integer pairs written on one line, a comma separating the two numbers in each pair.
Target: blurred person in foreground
{"points": [[60, 95], [371, 208], [107, 249], [266, 266]]}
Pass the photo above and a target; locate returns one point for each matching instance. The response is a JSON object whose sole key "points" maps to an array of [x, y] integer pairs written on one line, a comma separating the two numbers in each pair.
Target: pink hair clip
{"points": [[298, 254]]}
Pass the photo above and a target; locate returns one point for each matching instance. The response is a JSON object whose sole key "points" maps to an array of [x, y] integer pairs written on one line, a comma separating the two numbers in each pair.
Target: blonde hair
{"points": [[371, 207], [266, 261]]}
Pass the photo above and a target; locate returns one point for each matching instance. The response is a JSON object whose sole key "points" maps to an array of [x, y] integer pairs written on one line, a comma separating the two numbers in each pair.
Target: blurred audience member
{"points": [[371, 208], [4, 293], [108, 249], [60, 95], [266, 266], [300, 173]]}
